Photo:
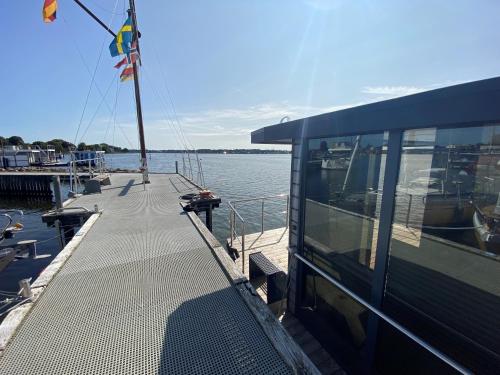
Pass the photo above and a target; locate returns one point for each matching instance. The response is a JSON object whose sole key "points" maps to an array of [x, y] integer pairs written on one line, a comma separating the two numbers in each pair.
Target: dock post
{"points": [[25, 287], [209, 218], [56, 182], [62, 240], [32, 250], [176, 167]]}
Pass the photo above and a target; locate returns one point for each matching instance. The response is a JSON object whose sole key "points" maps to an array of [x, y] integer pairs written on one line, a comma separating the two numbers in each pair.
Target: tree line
{"points": [[60, 145]]}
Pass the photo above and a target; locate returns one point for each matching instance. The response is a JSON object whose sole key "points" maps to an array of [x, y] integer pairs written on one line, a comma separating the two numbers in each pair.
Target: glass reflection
{"points": [[344, 178], [443, 278], [343, 196]]}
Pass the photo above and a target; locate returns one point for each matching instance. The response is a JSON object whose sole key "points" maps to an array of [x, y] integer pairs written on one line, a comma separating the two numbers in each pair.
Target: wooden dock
{"points": [[140, 289], [274, 245]]}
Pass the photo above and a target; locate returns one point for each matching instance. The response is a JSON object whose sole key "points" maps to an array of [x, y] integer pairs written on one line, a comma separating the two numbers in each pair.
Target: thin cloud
{"points": [[387, 92], [252, 116], [392, 90]]}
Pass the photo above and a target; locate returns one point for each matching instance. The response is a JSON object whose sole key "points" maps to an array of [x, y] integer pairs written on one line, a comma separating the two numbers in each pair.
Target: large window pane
{"points": [[344, 178], [343, 196], [443, 279], [336, 320]]}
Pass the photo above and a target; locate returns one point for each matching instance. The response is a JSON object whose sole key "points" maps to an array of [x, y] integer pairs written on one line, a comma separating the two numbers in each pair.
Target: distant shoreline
{"points": [[210, 151], [62, 146]]}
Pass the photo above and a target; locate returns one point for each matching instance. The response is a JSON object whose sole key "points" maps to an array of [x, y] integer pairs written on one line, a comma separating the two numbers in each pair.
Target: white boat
{"points": [[338, 158], [337, 163]]}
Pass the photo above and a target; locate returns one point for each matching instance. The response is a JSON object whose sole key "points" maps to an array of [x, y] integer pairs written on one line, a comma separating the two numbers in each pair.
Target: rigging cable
{"points": [[113, 113], [160, 100], [95, 3], [84, 62], [116, 76], [201, 178], [169, 121], [169, 96], [94, 73], [94, 83]]}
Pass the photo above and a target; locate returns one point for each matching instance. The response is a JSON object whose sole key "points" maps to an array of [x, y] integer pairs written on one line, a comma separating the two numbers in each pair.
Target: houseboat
{"points": [[394, 265], [17, 156]]}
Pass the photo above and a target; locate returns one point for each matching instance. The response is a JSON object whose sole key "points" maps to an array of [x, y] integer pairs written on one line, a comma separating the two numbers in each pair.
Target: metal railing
{"points": [[187, 171], [449, 361], [95, 165], [235, 216]]}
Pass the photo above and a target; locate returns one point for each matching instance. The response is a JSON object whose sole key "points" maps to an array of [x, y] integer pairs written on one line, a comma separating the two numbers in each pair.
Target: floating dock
{"points": [[273, 244], [143, 287]]}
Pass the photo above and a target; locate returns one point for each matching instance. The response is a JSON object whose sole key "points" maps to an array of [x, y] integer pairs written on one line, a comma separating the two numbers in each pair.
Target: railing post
{"points": [[409, 208], [234, 227], [75, 173], [230, 227], [70, 177], [243, 247], [56, 183], [287, 211], [262, 218], [60, 232]]}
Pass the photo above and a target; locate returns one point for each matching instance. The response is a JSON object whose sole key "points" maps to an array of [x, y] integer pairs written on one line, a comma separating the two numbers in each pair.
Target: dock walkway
{"points": [[142, 293]]}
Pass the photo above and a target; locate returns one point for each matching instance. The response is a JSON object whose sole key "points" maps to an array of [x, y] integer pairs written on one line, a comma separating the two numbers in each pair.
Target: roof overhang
{"points": [[468, 103]]}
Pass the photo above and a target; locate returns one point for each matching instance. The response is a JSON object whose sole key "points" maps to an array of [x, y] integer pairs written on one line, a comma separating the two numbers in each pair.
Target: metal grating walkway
{"points": [[141, 294]]}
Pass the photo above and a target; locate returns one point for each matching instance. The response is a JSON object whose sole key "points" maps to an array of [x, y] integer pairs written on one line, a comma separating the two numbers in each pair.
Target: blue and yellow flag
{"points": [[121, 44]]}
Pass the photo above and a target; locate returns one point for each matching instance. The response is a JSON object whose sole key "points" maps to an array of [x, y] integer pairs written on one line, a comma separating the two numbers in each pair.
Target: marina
{"points": [[136, 288], [210, 191]]}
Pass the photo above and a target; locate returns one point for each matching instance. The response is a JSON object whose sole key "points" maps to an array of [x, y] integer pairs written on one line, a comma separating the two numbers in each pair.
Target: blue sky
{"points": [[232, 66]]}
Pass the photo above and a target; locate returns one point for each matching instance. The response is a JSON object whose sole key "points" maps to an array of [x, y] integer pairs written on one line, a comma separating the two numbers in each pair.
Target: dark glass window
{"points": [[443, 279], [343, 196], [336, 320], [344, 178]]}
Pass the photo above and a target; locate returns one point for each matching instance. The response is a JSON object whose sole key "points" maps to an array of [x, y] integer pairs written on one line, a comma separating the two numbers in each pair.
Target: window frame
{"points": [[374, 305]]}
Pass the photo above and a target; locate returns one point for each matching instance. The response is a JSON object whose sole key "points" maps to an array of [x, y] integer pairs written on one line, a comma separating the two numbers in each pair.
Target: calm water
{"points": [[232, 177]]}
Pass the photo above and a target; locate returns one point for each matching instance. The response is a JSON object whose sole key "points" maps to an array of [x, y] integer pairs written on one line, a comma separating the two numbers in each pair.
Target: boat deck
{"points": [[141, 293]]}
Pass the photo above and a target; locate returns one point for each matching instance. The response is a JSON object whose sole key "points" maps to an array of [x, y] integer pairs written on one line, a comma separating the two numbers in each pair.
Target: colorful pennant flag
{"points": [[131, 57], [134, 56], [121, 43], [122, 62], [127, 74], [49, 10]]}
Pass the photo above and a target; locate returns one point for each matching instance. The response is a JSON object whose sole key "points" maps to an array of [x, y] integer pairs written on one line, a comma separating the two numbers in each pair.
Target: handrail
{"points": [[230, 204], [385, 317], [260, 198], [73, 170], [233, 214]]}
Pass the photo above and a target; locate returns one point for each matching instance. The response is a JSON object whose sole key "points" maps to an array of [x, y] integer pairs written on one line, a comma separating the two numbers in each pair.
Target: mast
{"points": [[135, 38], [142, 142]]}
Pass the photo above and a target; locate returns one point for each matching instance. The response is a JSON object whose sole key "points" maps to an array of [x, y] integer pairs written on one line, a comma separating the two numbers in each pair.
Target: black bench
{"points": [[260, 266]]}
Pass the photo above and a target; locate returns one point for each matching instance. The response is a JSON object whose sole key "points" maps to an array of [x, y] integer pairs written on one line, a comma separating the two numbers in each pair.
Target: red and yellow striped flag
{"points": [[128, 73], [49, 10]]}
